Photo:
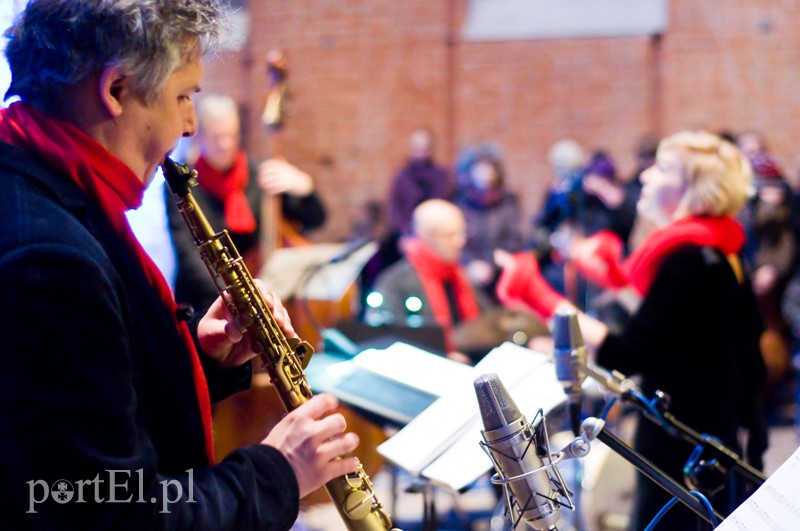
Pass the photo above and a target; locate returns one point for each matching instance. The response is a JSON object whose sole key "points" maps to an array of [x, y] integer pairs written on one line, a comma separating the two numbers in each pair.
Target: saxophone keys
{"points": [[358, 505], [386, 520], [302, 349]]}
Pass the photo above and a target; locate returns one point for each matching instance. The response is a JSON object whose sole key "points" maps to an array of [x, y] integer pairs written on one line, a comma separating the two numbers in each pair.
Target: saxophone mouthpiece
{"points": [[179, 177]]}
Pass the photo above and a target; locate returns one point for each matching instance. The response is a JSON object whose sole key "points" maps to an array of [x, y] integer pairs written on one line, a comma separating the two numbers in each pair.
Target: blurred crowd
{"points": [[587, 195]]}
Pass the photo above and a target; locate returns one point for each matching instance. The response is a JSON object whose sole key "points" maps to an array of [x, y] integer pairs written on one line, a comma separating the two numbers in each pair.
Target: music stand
{"points": [[323, 271]]}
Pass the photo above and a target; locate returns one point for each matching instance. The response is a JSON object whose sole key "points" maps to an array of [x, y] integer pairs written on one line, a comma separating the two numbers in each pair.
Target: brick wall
{"points": [[364, 72]]}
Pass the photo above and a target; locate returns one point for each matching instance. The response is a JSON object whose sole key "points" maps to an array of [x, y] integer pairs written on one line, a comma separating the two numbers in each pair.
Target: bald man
{"points": [[440, 225], [428, 286]]}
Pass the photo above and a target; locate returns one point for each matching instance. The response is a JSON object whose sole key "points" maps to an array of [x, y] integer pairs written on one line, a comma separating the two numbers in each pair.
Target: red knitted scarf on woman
{"points": [[433, 272], [721, 232], [228, 187], [112, 186]]}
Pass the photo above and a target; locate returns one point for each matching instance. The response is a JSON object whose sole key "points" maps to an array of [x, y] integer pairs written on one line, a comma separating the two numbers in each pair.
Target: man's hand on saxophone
{"points": [[312, 439], [220, 338]]}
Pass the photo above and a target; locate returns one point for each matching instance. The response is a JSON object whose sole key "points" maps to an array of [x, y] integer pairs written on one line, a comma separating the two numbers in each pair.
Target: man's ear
{"points": [[113, 85]]}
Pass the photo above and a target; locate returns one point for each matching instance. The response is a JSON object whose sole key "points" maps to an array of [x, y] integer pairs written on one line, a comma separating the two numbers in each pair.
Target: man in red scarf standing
{"points": [[105, 392], [428, 286], [230, 189]]}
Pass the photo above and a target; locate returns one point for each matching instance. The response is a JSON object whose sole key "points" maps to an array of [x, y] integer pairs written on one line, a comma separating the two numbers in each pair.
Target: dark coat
{"points": [[96, 379], [695, 337], [490, 227], [415, 182]]}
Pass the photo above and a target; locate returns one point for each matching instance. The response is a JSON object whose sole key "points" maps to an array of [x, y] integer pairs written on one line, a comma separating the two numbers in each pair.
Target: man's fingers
{"points": [[232, 332], [318, 406], [285, 322], [340, 467], [277, 308], [338, 447], [329, 427]]}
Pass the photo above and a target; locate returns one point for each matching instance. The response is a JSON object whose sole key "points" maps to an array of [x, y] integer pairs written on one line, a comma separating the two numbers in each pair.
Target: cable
{"points": [[707, 505], [606, 410], [673, 501], [650, 406], [660, 514]]}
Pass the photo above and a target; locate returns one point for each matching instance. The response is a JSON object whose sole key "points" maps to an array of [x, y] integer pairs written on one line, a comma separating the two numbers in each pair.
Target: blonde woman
{"points": [[695, 328]]}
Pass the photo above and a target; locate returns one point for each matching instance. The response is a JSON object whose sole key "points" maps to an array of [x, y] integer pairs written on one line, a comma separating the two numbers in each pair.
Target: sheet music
{"points": [[775, 505], [450, 423], [416, 368], [332, 281]]}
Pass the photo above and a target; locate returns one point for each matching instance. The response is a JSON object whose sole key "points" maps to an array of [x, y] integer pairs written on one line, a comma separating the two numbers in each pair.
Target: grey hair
{"points": [[56, 44], [215, 106], [566, 155]]}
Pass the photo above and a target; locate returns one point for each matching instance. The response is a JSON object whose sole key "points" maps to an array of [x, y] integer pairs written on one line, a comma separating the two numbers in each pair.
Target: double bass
{"points": [[276, 231]]}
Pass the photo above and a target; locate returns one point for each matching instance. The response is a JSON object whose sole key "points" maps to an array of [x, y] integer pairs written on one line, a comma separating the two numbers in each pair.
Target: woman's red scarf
{"points": [[522, 282], [721, 232], [229, 186], [114, 188], [433, 272]]}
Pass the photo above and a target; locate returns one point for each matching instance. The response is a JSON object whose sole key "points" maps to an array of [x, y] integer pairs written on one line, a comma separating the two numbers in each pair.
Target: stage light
{"points": [[374, 299], [413, 304]]}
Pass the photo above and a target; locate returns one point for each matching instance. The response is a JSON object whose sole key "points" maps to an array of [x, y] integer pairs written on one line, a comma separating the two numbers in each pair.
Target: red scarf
{"points": [[108, 182], [721, 232], [229, 186], [433, 272]]}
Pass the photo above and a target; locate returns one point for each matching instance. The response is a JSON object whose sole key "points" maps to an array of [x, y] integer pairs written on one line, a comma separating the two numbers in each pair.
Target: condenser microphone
{"points": [[569, 355], [533, 487]]}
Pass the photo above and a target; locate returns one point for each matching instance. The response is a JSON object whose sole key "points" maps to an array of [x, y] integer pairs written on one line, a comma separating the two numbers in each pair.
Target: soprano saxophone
{"points": [[283, 358]]}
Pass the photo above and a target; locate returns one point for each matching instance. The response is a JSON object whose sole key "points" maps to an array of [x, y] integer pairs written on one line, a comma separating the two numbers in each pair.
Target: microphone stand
{"points": [[594, 428], [629, 393]]}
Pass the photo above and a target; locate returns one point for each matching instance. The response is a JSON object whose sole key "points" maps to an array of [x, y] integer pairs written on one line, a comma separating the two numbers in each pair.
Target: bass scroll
{"points": [[283, 358]]}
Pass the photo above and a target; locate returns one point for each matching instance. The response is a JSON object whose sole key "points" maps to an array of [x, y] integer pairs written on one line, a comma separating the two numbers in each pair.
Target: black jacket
{"points": [[96, 391], [696, 338]]}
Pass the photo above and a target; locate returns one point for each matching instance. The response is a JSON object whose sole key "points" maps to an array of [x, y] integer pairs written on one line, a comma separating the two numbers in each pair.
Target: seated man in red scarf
{"points": [[230, 189], [429, 287], [695, 328]]}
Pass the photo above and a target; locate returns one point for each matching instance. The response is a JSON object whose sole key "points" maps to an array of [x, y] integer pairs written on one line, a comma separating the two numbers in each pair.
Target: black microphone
{"points": [[569, 354], [533, 487]]}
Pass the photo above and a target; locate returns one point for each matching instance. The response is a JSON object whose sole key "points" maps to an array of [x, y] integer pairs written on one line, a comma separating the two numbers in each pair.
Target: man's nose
{"points": [[190, 126]]}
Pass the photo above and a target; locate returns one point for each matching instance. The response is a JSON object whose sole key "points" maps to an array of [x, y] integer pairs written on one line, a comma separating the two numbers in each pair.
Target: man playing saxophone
{"points": [[105, 389]]}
